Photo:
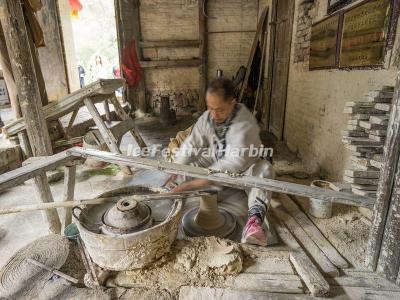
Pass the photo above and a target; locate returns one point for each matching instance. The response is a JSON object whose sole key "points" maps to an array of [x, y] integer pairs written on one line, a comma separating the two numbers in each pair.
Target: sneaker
{"points": [[253, 233]]}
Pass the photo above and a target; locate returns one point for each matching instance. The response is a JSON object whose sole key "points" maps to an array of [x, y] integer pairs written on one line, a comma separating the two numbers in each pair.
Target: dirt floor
{"points": [[347, 230]]}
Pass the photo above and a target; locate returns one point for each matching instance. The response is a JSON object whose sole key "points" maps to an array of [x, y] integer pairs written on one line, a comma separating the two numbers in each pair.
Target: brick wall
{"points": [[231, 28], [314, 109], [307, 12]]}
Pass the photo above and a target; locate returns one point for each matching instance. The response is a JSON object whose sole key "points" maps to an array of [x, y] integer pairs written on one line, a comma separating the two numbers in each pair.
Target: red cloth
{"points": [[130, 65]]}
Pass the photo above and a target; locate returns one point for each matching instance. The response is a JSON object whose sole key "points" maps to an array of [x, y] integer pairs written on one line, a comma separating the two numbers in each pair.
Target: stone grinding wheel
{"points": [[208, 219], [18, 277]]}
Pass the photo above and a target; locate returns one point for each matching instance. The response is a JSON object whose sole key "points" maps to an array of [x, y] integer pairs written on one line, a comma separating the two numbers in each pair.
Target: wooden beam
{"points": [[125, 117], [234, 180], [69, 191], [389, 257], [178, 63], [169, 44], [98, 90], [391, 155], [30, 95], [20, 175], [108, 137], [203, 79]]}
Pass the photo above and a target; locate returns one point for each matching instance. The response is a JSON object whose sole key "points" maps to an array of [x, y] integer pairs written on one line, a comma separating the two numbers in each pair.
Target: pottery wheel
{"points": [[18, 277], [208, 219]]}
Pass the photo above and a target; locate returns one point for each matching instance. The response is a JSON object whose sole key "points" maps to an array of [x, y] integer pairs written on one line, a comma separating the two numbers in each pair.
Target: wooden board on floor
{"points": [[313, 232], [264, 282], [207, 293], [308, 272], [324, 264]]}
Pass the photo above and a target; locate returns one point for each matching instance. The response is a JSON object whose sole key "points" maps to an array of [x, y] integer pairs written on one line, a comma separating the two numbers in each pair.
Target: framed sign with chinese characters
{"points": [[364, 34], [323, 46]]}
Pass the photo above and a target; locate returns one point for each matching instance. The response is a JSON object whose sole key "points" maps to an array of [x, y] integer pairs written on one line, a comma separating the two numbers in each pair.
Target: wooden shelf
{"points": [[147, 64], [169, 44]]}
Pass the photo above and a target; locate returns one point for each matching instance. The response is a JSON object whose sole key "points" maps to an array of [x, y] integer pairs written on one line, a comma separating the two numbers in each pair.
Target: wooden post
{"points": [[12, 92], [389, 258], [20, 52], [389, 183], [202, 5], [383, 201], [69, 190], [128, 28], [51, 56]]}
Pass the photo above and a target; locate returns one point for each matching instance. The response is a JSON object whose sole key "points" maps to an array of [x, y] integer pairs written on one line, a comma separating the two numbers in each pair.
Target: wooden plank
{"points": [[227, 180], [69, 191], [379, 119], [71, 122], [263, 282], [390, 159], [99, 91], [362, 174], [389, 257], [302, 219], [358, 280], [119, 130], [313, 279], [207, 293], [124, 116], [177, 63], [110, 140], [169, 44], [349, 179], [307, 244], [369, 125], [20, 175], [203, 78], [383, 106], [107, 111]]}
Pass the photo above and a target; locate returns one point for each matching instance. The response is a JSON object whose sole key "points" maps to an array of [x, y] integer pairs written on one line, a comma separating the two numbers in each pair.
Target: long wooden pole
{"points": [[390, 158], [232, 180], [20, 52], [69, 204]]}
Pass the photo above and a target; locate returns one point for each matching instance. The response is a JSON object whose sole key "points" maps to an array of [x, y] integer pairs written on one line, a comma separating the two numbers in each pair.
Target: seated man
{"points": [[225, 135]]}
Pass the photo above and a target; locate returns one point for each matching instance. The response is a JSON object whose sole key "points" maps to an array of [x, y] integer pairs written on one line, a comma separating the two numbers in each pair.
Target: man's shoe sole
{"points": [[253, 241]]}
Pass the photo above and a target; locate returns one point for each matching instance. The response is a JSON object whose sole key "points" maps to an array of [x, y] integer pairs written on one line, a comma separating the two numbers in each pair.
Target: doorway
{"points": [[279, 60]]}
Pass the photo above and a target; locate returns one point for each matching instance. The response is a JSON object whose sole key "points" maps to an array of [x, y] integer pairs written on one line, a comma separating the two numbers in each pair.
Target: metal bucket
{"points": [[134, 250], [321, 209]]}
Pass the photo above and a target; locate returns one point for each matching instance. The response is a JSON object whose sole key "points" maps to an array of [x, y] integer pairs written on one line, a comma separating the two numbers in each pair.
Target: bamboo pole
{"points": [[67, 204]]}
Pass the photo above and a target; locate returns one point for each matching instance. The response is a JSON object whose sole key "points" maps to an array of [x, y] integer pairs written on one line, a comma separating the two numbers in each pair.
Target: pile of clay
{"points": [[203, 261]]}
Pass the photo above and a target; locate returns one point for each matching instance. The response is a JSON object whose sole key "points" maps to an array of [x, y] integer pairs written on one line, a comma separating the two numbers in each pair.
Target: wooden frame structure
{"points": [[306, 268]]}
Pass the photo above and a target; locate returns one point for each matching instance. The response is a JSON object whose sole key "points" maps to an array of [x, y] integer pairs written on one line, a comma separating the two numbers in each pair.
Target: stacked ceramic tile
{"points": [[365, 137]]}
